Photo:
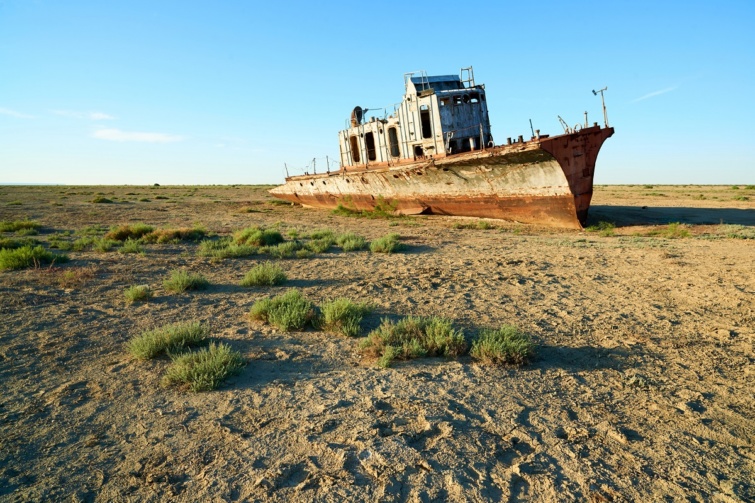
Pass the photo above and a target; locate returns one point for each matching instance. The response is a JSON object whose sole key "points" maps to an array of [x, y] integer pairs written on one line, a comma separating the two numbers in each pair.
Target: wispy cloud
{"points": [[95, 116], [13, 113], [655, 93], [118, 135]]}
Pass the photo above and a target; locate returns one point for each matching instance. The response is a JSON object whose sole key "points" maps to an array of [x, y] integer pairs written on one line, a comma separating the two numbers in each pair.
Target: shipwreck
{"points": [[435, 154]]}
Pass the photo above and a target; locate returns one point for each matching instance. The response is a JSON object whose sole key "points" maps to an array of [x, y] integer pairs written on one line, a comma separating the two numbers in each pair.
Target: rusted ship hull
{"points": [[545, 181]]}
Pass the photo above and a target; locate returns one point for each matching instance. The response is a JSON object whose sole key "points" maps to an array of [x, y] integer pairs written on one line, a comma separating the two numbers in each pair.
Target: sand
{"points": [[641, 390]]}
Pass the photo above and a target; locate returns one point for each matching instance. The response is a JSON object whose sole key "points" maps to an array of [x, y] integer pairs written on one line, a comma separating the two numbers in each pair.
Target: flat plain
{"points": [[641, 388]]}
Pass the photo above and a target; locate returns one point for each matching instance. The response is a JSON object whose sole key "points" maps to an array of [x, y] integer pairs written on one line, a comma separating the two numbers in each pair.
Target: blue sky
{"points": [[227, 92]]}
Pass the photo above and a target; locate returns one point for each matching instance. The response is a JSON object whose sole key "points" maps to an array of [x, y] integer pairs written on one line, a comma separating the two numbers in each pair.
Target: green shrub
{"points": [[138, 292], [167, 339], [672, 231], [507, 345], [104, 245], [17, 225], [27, 256], [287, 249], [414, 337], [225, 248], [257, 236], [351, 242], [132, 246], [204, 369], [131, 231], [343, 316], [181, 281], [10, 243], [386, 244], [288, 311], [101, 200], [264, 274], [320, 245]]}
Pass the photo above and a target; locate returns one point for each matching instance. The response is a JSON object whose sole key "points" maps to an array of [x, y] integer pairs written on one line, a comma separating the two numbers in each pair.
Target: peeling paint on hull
{"points": [[545, 181]]}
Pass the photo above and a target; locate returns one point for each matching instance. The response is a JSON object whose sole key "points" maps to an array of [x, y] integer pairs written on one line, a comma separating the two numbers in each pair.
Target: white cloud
{"points": [[13, 113], [118, 135], [655, 93], [95, 116]]}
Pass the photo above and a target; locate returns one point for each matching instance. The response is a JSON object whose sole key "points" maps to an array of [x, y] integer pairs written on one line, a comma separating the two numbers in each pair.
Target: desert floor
{"points": [[642, 388]]}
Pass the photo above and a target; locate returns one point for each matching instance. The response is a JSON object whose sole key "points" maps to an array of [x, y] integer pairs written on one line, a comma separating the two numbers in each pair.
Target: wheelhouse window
{"points": [[369, 142], [427, 130], [393, 141], [354, 144]]}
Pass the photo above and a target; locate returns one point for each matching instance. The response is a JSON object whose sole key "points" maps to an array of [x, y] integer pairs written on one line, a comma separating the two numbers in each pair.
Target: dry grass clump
{"points": [[288, 311], [28, 256], [17, 225], [138, 293], [414, 337], [507, 345], [480, 224], [101, 200], [181, 280], [342, 316], [386, 244], [130, 231], [257, 236], [175, 235], [167, 339], [264, 274], [204, 369]]}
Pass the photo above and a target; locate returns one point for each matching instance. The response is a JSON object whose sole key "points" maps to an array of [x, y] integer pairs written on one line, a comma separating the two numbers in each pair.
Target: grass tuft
{"points": [[131, 231], [205, 369], [17, 225], [167, 339], [386, 244], [225, 248], [342, 316], [138, 293], [175, 235], [181, 281], [351, 242], [28, 256], [264, 274], [101, 200], [603, 228], [288, 311], [256, 236], [414, 337], [132, 246], [505, 346]]}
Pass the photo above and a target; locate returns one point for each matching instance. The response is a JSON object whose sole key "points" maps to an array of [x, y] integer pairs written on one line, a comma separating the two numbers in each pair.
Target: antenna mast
{"points": [[605, 114]]}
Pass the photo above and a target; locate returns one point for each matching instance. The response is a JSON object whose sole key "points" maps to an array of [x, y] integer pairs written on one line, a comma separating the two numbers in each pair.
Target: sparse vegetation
{"points": [[204, 369], [386, 244], [479, 224], [28, 256], [288, 311], [507, 345], [138, 293], [264, 274], [603, 228], [342, 316], [382, 209], [414, 337], [181, 281], [167, 339], [674, 230]]}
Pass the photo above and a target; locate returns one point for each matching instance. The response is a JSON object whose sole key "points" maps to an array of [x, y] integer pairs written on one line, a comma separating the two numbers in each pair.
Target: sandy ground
{"points": [[642, 388]]}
